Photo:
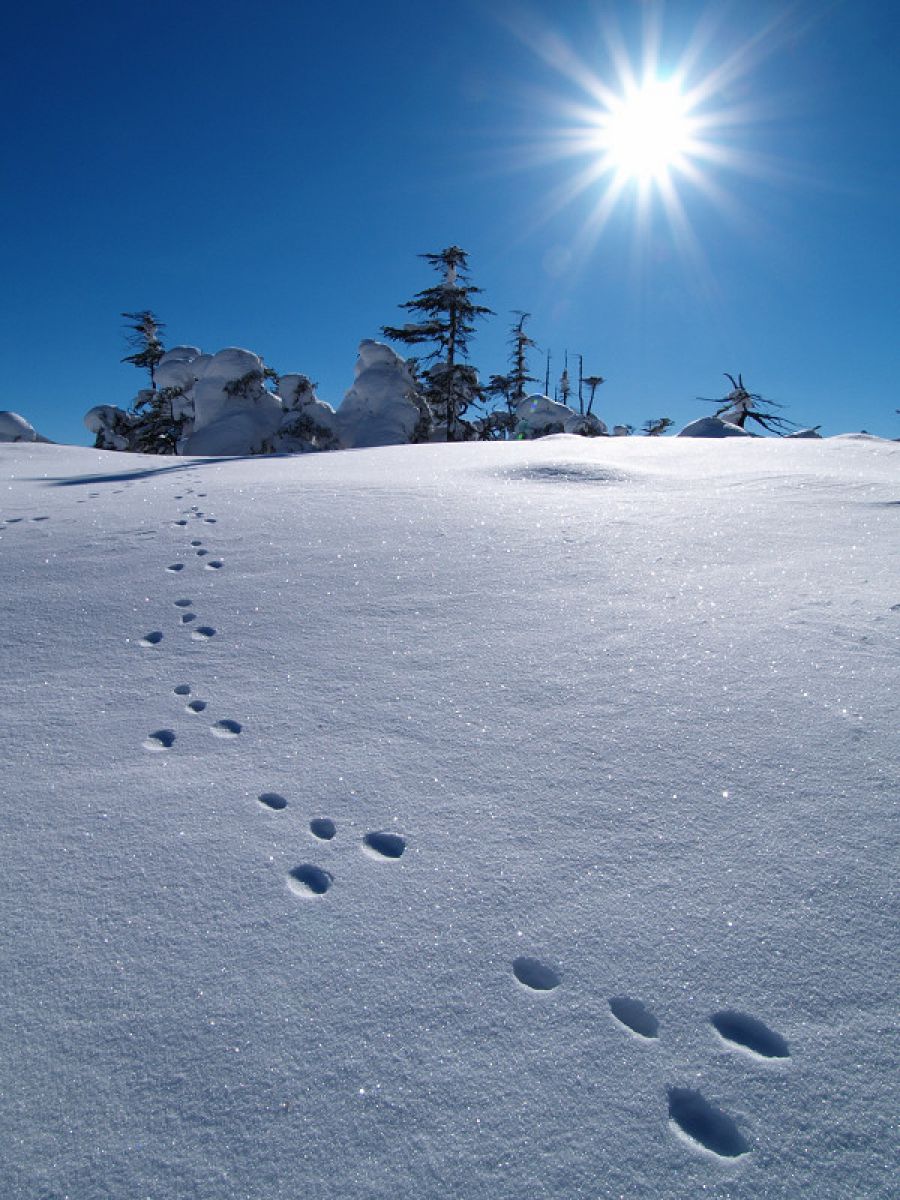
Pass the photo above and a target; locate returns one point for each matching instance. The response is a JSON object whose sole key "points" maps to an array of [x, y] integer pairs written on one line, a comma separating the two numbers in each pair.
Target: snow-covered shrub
{"points": [[113, 428], [539, 416], [713, 427], [308, 422], [14, 428], [383, 406]]}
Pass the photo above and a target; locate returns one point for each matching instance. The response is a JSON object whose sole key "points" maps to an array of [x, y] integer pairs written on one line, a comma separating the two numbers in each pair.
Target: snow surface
{"points": [[490, 820]]}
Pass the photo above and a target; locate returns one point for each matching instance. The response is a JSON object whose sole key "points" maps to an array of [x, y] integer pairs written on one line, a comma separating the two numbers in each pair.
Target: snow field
{"points": [[519, 825]]}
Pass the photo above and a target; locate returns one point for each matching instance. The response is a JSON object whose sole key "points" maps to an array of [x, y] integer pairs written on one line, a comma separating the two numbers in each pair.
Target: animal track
{"points": [[534, 974], [196, 706], [186, 618], [182, 689], [152, 639], [225, 729], [705, 1125], [309, 880], [384, 844], [179, 522], [196, 542], [202, 553], [203, 633], [161, 739], [323, 828], [176, 567], [183, 603], [750, 1034], [209, 520], [214, 564], [273, 800], [635, 1017]]}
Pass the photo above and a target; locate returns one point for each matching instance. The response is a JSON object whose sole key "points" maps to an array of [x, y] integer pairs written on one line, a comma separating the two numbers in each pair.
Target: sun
{"points": [[653, 129], [647, 131]]}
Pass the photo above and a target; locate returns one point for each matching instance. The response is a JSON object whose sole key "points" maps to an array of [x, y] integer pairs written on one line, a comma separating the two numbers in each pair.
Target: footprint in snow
{"points": [[323, 828], [186, 618], [272, 800], [184, 602], [195, 706], [750, 1034], [161, 739], [179, 522], [175, 567], [384, 844], [635, 1017], [225, 729], [203, 633], [201, 553], [196, 542], [214, 564], [534, 974], [703, 1125], [152, 639], [309, 880]]}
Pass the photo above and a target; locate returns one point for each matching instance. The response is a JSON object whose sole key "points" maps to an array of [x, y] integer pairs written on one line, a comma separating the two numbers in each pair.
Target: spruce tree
{"points": [[448, 314], [144, 337]]}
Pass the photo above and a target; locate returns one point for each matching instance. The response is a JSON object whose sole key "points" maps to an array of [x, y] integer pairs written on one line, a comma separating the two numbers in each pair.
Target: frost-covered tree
{"points": [[448, 313], [144, 338], [511, 388], [740, 405], [520, 344]]}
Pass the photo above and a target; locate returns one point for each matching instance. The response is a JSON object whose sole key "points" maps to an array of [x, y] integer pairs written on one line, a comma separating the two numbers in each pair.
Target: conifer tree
{"points": [[144, 337], [593, 382], [448, 313], [520, 344]]}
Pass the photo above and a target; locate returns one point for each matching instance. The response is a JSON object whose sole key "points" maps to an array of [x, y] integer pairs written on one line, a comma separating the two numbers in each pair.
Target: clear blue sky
{"points": [[264, 175]]}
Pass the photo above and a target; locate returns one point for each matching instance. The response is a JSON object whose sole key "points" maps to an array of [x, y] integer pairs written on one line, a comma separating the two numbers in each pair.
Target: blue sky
{"points": [[266, 175]]}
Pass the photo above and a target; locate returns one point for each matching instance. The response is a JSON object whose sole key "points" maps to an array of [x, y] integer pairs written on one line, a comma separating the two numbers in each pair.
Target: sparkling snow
{"points": [[495, 820]]}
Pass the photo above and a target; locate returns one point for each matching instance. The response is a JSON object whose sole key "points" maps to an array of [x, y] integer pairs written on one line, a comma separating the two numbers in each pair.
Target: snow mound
{"points": [[538, 416], [713, 427], [14, 428], [804, 433], [382, 407]]}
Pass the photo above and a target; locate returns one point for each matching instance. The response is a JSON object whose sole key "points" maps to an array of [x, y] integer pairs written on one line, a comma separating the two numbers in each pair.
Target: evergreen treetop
{"points": [[144, 337]]}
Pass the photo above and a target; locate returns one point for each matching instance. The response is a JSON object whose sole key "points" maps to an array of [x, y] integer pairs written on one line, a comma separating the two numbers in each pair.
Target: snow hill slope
{"points": [[621, 716]]}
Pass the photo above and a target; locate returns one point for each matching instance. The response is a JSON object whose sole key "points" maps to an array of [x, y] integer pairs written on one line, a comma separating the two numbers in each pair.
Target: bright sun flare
{"points": [[647, 131]]}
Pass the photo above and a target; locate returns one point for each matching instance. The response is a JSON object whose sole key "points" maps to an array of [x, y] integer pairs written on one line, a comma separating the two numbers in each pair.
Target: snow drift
{"points": [[496, 820]]}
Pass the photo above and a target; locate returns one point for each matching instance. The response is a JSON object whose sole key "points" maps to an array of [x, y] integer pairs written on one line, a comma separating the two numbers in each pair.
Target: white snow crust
{"points": [[488, 820]]}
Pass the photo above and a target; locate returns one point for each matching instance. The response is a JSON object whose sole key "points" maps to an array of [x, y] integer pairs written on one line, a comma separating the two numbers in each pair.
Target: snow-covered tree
{"points": [[511, 387], [448, 313], [144, 337]]}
